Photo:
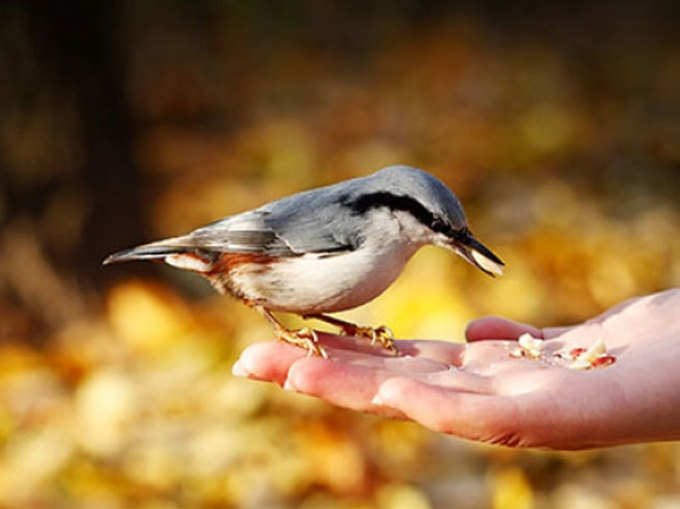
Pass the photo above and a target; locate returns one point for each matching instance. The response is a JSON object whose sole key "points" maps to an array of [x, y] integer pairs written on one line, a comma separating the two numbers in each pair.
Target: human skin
{"points": [[478, 391]]}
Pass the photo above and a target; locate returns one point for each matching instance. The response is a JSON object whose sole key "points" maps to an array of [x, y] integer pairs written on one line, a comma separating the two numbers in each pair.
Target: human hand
{"points": [[479, 392]]}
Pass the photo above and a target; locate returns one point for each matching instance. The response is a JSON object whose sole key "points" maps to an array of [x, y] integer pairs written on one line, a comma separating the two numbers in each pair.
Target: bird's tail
{"points": [[152, 251]]}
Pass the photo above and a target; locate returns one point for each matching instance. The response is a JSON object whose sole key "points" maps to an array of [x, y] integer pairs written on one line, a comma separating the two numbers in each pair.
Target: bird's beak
{"points": [[477, 254]]}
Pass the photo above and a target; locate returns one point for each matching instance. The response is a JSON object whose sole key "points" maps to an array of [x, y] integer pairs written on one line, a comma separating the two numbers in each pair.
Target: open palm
{"points": [[477, 390]]}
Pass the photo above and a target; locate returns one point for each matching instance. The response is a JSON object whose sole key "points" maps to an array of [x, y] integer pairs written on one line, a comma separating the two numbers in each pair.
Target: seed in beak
{"points": [[485, 263]]}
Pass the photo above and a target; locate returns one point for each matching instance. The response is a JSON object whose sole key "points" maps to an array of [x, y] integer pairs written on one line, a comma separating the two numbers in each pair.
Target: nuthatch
{"points": [[325, 250]]}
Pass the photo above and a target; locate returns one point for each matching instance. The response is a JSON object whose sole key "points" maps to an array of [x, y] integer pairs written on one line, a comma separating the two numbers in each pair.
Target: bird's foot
{"points": [[381, 335], [304, 338]]}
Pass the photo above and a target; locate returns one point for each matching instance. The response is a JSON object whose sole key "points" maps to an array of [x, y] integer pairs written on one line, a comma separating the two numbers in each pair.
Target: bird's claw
{"points": [[304, 338], [382, 335]]}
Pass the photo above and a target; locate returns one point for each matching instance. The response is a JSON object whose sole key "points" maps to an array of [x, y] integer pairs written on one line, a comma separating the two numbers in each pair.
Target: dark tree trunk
{"points": [[79, 42]]}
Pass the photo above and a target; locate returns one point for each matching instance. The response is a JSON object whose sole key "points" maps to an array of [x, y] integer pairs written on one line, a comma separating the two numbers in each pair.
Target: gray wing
{"points": [[312, 221], [228, 235]]}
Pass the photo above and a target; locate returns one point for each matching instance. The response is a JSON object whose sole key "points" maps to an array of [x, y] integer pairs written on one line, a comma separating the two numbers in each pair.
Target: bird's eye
{"points": [[438, 224]]}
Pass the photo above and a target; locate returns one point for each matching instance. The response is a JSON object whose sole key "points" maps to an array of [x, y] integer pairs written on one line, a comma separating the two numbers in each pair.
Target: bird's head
{"points": [[435, 213]]}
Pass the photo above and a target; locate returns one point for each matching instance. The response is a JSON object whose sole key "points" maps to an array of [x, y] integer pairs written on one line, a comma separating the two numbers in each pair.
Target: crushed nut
{"points": [[603, 360], [530, 346], [595, 356], [575, 352]]}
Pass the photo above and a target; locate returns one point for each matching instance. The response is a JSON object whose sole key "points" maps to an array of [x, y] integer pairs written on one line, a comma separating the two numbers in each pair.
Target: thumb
{"points": [[494, 327]]}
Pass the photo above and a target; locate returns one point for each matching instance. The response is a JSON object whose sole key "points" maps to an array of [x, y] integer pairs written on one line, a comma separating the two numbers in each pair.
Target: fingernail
{"points": [[377, 400], [287, 386], [238, 369]]}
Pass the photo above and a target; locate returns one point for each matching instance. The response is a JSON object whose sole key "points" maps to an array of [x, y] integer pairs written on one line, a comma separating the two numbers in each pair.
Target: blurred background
{"points": [[558, 126]]}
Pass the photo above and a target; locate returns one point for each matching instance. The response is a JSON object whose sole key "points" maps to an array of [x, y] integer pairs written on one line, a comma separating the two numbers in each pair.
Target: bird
{"points": [[325, 250]]}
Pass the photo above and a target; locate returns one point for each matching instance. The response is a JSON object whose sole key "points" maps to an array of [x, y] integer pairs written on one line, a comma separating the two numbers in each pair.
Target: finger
{"points": [[353, 381], [403, 364], [420, 368], [342, 384], [268, 360], [446, 352], [494, 327], [468, 415], [271, 360]]}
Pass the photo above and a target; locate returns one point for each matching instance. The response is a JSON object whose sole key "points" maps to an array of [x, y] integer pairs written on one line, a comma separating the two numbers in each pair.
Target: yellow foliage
{"points": [[146, 318], [511, 489], [401, 496]]}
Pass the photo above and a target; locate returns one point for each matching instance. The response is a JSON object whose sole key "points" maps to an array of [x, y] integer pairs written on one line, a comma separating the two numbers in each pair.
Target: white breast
{"points": [[323, 283]]}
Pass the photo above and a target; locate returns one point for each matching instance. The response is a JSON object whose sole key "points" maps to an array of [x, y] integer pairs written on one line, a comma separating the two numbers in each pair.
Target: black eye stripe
{"points": [[399, 202], [365, 202]]}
